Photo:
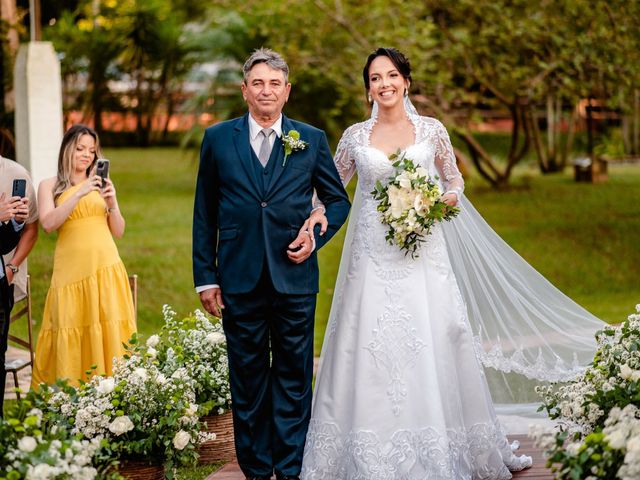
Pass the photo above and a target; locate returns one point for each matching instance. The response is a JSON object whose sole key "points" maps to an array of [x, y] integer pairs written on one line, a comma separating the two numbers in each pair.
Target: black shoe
{"points": [[289, 477]]}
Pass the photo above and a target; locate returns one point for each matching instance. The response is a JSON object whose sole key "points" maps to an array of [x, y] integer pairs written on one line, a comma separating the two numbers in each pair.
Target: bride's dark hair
{"points": [[397, 58]]}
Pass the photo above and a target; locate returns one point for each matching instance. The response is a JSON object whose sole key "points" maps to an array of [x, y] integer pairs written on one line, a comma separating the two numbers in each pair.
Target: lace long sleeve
{"points": [[344, 161], [445, 161]]}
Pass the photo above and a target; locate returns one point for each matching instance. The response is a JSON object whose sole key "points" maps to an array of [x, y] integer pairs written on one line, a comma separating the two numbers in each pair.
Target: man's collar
{"points": [[255, 128]]}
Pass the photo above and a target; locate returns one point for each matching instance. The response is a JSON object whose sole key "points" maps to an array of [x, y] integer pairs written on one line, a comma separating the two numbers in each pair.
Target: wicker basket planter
{"points": [[223, 447], [140, 470]]}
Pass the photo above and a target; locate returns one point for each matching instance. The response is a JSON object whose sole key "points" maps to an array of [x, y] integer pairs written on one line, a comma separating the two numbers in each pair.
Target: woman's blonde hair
{"points": [[65, 157]]}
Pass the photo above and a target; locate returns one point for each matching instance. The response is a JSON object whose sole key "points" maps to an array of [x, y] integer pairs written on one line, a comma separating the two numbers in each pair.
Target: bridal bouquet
{"points": [[410, 204]]}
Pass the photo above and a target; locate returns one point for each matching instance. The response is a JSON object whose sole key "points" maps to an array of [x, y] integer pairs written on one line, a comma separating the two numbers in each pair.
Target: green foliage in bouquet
{"points": [[598, 413], [194, 348], [410, 204]]}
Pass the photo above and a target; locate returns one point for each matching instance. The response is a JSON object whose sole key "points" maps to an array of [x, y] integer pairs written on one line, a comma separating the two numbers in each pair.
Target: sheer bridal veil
{"points": [[526, 331]]}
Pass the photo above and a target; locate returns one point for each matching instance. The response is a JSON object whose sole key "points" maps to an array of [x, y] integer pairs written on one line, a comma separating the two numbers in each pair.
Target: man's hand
{"points": [[300, 249], [11, 207], [211, 300], [22, 210]]}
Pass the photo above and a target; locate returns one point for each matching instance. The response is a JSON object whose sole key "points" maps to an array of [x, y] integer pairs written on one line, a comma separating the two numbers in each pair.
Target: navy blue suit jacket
{"points": [[239, 225], [8, 240]]}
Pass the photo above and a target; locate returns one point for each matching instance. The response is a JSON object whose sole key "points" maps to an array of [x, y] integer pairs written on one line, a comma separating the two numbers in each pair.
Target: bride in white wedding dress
{"points": [[401, 392]]}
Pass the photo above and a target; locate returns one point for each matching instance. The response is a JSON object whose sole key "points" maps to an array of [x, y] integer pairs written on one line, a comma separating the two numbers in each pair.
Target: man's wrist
{"points": [[14, 268], [202, 288]]}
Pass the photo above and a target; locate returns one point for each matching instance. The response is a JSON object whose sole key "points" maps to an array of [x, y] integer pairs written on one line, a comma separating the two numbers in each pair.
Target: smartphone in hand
{"points": [[102, 169], [19, 187]]}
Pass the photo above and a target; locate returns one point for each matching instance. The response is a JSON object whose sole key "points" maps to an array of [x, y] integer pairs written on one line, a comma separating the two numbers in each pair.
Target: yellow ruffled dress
{"points": [[88, 311]]}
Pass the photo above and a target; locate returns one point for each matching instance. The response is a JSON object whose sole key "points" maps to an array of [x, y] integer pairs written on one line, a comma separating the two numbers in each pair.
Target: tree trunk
{"points": [[635, 146], [170, 107], [534, 132], [551, 126], [590, 125], [568, 143]]}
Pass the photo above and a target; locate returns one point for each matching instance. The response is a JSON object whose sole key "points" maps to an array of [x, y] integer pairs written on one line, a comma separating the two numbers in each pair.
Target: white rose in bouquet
{"points": [[153, 341], [404, 180], [422, 172]]}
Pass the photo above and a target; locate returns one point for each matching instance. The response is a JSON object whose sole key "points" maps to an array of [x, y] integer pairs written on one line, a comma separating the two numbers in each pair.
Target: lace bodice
{"points": [[432, 150]]}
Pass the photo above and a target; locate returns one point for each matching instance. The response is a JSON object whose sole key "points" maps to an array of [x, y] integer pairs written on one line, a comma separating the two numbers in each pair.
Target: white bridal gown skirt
{"points": [[400, 393]]}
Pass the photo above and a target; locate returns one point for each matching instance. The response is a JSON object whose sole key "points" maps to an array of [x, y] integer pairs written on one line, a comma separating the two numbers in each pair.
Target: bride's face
{"points": [[386, 83]]}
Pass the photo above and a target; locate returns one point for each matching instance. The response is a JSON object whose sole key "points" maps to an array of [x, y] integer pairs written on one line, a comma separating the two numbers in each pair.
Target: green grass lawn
{"points": [[584, 238]]}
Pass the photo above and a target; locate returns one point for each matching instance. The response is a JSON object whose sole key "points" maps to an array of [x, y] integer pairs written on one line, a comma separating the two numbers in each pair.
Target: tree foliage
{"points": [[142, 44], [535, 60], [470, 58]]}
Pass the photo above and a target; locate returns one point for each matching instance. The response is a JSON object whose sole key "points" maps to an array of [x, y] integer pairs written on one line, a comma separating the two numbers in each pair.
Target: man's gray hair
{"points": [[268, 56]]}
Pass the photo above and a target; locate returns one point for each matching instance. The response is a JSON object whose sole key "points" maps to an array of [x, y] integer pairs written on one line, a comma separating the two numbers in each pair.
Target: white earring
{"points": [[369, 98]]}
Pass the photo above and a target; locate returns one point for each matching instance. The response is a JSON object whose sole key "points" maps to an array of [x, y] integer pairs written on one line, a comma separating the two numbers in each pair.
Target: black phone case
{"points": [[19, 187], [103, 170]]}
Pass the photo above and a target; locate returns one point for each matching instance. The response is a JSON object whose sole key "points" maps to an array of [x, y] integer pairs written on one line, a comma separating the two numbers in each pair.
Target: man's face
{"points": [[265, 91]]}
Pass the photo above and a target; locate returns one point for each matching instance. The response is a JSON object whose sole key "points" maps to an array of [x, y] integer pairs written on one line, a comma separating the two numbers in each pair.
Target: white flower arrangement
{"points": [[138, 411], [150, 407], [410, 204], [34, 449], [194, 349], [598, 413]]}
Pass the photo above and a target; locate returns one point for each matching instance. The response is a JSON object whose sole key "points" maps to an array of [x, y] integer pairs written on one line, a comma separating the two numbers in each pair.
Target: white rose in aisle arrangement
{"points": [[214, 338], [106, 386], [121, 425], [181, 439], [27, 444]]}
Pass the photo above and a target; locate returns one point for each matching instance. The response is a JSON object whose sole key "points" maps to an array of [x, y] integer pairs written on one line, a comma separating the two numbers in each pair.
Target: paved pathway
{"points": [[538, 471]]}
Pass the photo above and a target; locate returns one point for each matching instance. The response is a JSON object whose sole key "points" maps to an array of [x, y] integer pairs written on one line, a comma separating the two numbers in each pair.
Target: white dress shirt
{"points": [[254, 133]]}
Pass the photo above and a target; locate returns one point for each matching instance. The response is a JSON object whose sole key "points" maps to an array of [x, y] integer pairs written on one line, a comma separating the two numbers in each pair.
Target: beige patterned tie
{"points": [[265, 147]]}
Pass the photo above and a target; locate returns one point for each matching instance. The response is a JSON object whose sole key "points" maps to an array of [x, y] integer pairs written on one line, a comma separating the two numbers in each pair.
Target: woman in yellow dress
{"points": [[88, 312]]}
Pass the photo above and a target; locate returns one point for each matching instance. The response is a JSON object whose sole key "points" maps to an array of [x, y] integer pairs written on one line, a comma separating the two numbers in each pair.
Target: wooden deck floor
{"points": [[538, 471]]}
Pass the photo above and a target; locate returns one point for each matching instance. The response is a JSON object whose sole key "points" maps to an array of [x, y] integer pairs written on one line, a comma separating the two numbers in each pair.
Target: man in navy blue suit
{"points": [[253, 259]]}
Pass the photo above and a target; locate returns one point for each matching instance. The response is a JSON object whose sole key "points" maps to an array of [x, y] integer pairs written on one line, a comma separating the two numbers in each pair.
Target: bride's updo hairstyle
{"points": [[397, 58]]}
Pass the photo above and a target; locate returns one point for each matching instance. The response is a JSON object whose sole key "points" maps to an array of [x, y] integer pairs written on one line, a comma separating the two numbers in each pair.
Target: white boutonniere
{"points": [[292, 143]]}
